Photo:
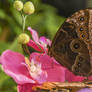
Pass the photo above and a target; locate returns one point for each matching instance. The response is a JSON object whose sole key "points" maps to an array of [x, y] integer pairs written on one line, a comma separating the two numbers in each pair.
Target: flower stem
{"points": [[24, 20], [25, 48]]}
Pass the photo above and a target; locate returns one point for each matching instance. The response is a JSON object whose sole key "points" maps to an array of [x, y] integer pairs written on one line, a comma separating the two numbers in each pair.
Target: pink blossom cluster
{"points": [[38, 68]]}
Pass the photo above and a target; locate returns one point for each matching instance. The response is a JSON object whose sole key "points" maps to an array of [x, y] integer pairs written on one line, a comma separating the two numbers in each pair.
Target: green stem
{"points": [[24, 20], [25, 48]]}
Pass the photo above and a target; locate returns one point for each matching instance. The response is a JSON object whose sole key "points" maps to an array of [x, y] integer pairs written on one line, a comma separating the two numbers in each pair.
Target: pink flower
{"points": [[39, 44], [55, 72], [13, 65], [39, 69]]}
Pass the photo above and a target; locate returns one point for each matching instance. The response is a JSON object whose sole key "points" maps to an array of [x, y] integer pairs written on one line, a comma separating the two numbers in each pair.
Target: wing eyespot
{"points": [[82, 18], [79, 64], [76, 46], [81, 58], [84, 35], [81, 29]]}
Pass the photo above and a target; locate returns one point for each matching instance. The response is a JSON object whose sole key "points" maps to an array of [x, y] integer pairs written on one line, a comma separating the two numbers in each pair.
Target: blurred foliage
{"points": [[6, 83], [45, 20]]}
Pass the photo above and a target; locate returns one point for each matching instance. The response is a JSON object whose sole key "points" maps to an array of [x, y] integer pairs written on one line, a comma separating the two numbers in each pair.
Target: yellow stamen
{"points": [[34, 69], [27, 62]]}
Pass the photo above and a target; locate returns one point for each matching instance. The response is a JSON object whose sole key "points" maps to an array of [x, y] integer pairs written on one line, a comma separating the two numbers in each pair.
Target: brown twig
{"points": [[25, 48]]}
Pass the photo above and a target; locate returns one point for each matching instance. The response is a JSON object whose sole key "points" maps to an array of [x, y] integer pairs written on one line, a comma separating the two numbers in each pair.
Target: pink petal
{"points": [[49, 42], [38, 44], [71, 77], [25, 88], [57, 73], [43, 43], [35, 46], [54, 71], [13, 65], [34, 56], [34, 35], [41, 78], [44, 40], [43, 59], [90, 78]]}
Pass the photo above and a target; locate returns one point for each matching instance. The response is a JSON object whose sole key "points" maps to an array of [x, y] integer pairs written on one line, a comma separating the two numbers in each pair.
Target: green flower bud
{"points": [[18, 5], [28, 8], [23, 38]]}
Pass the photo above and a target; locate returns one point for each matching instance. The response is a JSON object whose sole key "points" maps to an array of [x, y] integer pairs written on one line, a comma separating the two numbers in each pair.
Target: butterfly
{"points": [[72, 44], [72, 48]]}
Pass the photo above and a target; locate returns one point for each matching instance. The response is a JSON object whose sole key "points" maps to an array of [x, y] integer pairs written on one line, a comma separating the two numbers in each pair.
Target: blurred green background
{"points": [[48, 17]]}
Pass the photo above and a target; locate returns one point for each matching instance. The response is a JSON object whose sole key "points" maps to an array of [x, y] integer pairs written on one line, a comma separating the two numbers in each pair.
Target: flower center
{"points": [[33, 67]]}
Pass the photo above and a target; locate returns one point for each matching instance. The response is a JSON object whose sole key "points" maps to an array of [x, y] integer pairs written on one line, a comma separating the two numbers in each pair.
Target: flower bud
{"points": [[18, 5], [28, 8], [23, 38]]}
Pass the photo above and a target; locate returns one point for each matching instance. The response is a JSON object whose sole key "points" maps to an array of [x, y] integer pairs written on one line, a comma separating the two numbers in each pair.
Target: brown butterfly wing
{"points": [[71, 44]]}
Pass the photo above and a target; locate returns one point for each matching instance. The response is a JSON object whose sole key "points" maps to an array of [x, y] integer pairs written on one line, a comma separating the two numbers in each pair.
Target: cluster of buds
{"points": [[28, 7]]}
